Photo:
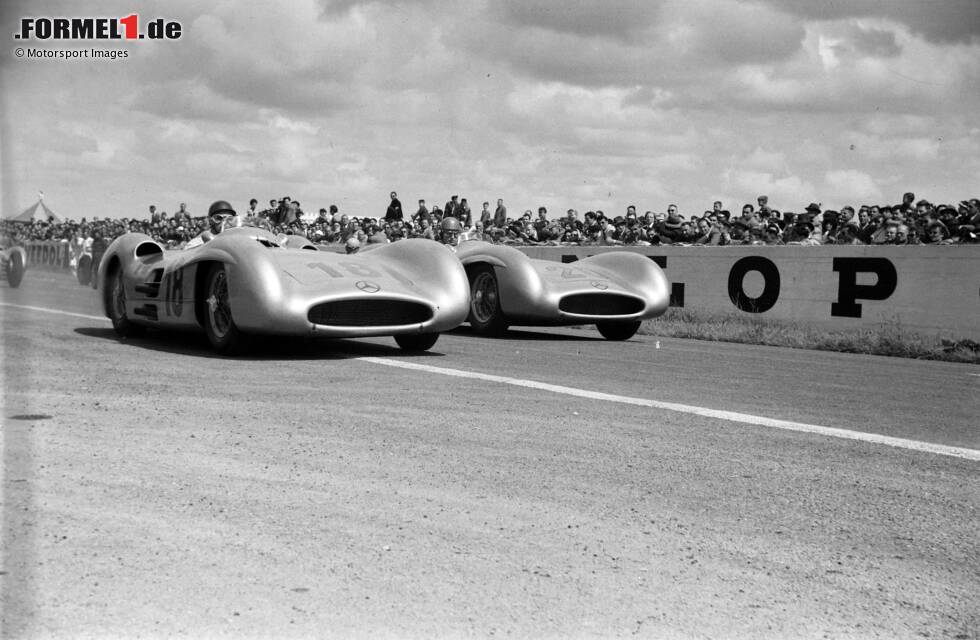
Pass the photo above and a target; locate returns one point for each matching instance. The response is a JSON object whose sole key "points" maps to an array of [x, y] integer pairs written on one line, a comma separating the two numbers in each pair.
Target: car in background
{"points": [[615, 290]]}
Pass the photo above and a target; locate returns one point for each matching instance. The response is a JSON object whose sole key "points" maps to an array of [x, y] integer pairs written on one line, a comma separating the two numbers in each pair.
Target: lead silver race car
{"points": [[244, 280], [615, 290]]}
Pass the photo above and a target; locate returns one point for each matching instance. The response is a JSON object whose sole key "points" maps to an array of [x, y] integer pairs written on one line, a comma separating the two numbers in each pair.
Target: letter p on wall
{"points": [[849, 291]]}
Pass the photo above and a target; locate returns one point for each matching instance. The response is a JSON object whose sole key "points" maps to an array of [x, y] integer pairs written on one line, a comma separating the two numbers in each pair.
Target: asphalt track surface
{"points": [[546, 484]]}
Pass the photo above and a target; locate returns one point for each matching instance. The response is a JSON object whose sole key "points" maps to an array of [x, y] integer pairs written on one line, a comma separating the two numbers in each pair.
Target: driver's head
{"points": [[352, 245], [449, 230], [217, 213]]}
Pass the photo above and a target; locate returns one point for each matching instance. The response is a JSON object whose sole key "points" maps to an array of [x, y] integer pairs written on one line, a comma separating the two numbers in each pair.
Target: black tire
{"points": [[486, 316], [223, 333], [618, 330], [15, 269], [416, 342], [116, 304], [84, 270]]}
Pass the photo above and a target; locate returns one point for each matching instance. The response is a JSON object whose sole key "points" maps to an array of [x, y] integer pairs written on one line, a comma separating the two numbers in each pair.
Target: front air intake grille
{"points": [[600, 304], [369, 313]]}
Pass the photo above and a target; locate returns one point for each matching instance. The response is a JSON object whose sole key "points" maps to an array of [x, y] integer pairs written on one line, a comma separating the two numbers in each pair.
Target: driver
{"points": [[449, 230], [217, 214]]}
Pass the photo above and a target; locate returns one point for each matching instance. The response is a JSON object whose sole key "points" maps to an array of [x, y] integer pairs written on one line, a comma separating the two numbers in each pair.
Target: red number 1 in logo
{"points": [[130, 22]]}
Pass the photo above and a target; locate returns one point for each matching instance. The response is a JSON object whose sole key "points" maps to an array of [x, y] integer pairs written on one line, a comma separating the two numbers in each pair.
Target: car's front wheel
{"points": [[223, 333], [123, 326], [486, 316], [618, 330], [15, 269], [416, 342]]}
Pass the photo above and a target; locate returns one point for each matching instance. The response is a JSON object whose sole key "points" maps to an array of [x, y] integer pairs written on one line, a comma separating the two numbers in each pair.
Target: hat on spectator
{"points": [[813, 206]]}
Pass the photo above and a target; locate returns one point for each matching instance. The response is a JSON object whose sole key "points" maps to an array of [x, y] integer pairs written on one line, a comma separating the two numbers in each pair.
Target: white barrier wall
{"points": [[932, 290]]}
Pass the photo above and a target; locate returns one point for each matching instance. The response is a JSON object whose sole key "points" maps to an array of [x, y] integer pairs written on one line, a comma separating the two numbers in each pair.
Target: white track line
{"points": [[745, 418], [63, 313]]}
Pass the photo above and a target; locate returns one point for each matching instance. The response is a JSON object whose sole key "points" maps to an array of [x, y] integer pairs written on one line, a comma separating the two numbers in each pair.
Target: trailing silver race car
{"points": [[245, 280], [616, 291], [13, 263]]}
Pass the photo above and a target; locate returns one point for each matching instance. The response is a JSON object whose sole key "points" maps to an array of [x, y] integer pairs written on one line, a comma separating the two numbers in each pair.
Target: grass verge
{"points": [[884, 340]]}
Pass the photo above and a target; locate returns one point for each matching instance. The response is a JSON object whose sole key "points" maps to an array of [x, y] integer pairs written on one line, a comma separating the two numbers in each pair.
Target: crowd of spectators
{"points": [[910, 222]]}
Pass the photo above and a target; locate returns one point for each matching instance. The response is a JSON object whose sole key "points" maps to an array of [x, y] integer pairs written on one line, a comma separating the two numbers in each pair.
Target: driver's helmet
{"points": [[352, 245], [217, 213], [449, 230]]}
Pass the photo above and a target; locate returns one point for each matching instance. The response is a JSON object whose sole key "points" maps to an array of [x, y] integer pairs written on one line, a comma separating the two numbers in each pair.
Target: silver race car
{"points": [[616, 291], [13, 262], [245, 280]]}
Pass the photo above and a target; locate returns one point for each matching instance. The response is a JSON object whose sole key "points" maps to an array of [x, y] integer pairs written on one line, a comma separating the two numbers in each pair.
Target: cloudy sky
{"points": [[560, 103]]}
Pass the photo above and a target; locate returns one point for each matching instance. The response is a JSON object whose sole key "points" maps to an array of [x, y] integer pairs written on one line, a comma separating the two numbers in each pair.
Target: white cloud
{"points": [[848, 186]]}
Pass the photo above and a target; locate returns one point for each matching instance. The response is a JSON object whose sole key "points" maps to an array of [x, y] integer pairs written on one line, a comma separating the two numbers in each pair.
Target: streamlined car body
{"points": [[246, 281], [615, 290]]}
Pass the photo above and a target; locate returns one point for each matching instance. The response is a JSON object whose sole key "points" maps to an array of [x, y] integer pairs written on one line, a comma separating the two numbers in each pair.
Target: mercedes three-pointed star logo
{"points": [[367, 287], [600, 285]]}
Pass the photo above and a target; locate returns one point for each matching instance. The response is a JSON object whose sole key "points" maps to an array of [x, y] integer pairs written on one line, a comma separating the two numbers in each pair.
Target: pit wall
{"points": [[929, 290]]}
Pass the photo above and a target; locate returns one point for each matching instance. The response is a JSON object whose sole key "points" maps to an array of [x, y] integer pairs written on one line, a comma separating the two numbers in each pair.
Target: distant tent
{"points": [[37, 211]]}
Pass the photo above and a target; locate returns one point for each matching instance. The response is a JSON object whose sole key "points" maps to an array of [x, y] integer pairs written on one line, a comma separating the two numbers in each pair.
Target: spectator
{"points": [[500, 215], [375, 235], [464, 215], [452, 208], [485, 216], [670, 229], [423, 212], [476, 233], [937, 233], [394, 211], [425, 229]]}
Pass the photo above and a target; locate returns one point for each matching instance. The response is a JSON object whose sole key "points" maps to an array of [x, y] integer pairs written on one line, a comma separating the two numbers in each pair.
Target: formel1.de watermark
{"points": [[102, 30]]}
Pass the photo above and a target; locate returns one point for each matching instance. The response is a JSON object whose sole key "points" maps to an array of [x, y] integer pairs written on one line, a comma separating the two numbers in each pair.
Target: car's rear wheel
{"points": [[417, 342], [15, 269], [223, 333], [84, 270], [618, 330], [486, 316], [123, 326]]}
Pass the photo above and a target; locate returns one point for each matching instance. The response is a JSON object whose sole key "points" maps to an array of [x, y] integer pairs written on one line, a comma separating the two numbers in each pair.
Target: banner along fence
{"points": [[930, 290]]}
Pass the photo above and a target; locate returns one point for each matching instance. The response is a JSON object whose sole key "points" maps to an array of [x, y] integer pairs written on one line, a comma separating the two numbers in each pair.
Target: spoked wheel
{"points": [[222, 332], [416, 342], [15, 269], [124, 327], [84, 270], [618, 330], [486, 317]]}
